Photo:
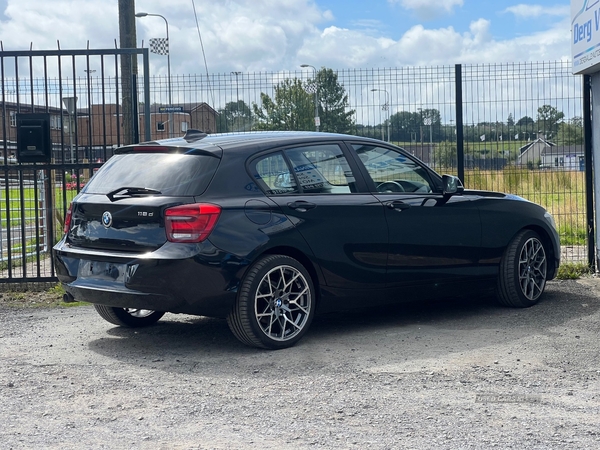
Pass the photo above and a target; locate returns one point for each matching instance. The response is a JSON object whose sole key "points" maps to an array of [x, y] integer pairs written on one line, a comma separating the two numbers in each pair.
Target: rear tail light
{"points": [[68, 217], [191, 223], [151, 149]]}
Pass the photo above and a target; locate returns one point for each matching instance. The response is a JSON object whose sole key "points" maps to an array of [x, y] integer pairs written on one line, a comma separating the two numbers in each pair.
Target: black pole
{"points": [[134, 109], [589, 176], [460, 144], [127, 39]]}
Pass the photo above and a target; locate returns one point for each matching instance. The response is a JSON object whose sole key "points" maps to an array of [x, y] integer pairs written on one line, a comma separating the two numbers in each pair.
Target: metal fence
{"points": [[515, 127], [85, 124]]}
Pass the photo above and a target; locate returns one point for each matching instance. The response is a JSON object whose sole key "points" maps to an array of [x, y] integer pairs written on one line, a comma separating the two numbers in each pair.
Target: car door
{"points": [[432, 238], [315, 187]]}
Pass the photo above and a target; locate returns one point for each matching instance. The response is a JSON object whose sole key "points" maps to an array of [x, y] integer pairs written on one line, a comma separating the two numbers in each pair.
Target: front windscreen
{"points": [[169, 173]]}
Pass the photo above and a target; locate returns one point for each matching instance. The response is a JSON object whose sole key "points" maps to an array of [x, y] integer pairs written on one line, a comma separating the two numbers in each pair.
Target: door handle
{"points": [[301, 205], [397, 204]]}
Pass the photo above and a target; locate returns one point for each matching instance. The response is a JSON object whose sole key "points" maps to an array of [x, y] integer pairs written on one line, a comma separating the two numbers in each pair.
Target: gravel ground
{"points": [[461, 374]]}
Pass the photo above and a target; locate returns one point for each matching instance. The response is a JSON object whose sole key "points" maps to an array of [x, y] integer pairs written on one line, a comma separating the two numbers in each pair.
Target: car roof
{"points": [[251, 141]]}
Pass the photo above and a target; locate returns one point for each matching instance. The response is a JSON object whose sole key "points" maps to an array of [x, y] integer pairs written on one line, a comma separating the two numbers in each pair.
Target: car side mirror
{"points": [[451, 185]]}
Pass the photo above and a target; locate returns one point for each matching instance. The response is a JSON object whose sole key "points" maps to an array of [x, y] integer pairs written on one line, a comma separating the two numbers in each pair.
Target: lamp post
{"points": [[237, 91], [237, 99], [89, 73], [317, 120], [144, 14], [385, 107]]}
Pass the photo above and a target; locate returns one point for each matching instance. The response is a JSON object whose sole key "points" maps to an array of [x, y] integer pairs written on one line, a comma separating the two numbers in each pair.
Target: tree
{"points": [[235, 116], [293, 107], [510, 121], [405, 125], [525, 121], [571, 132], [445, 154], [333, 104], [548, 119], [290, 109]]}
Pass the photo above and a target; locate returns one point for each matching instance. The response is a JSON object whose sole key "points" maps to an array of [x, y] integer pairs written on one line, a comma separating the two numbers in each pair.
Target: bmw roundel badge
{"points": [[106, 219]]}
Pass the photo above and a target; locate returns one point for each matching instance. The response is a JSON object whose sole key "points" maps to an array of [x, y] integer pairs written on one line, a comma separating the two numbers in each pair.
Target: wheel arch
{"points": [[548, 246], [303, 259]]}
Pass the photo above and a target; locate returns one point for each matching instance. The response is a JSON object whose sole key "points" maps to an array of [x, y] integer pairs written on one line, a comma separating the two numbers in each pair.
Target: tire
{"points": [[275, 304], [523, 271], [129, 317]]}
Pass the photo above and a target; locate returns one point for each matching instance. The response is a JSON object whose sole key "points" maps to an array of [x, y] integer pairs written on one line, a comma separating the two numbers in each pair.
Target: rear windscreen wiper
{"points": [[131, 192]]}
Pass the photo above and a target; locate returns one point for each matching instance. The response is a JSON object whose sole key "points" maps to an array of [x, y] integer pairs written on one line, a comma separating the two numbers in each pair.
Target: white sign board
{"points": [[585, 36]]}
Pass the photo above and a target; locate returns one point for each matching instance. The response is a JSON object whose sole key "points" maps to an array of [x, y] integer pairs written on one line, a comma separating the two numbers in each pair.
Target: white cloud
{"points": [[270, 35], [72, 22], [524, 11], [420, 46], [429, 9]]}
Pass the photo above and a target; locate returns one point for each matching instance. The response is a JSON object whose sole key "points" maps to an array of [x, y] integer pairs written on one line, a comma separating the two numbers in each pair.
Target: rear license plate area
{"points": [[101, 271]]}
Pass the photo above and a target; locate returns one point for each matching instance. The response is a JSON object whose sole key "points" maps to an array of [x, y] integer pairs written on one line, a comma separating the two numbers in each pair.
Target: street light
{"points": [[385, 107], [237, 91], [144, 14], [317, 120], [90, 93], [89, 73], [237, 102]]}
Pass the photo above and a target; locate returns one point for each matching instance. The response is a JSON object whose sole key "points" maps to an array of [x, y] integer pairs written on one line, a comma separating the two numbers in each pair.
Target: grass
{"points": [[562, 193], [48, 298], [30, 204], [572, 271]]}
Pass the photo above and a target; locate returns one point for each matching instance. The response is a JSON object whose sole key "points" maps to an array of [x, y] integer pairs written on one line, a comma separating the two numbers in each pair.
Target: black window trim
{"points": [[359, 181], [434, 177]]}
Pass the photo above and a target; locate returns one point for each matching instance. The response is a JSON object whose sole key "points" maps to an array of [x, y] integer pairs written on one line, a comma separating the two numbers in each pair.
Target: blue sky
{"points": [[273, 35], [390, 18]]}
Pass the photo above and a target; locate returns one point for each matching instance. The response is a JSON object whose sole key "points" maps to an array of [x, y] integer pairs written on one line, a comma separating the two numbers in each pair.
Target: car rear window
{"points": [[171, 174]]}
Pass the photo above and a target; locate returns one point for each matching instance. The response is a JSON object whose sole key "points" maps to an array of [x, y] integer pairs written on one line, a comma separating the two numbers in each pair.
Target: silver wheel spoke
{"points": [[139, 313], [282, 303], [532, 269]]}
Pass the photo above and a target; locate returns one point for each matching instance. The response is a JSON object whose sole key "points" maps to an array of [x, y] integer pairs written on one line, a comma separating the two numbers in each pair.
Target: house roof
{"points": [[187, 107], [564, 150], [111, 108], [527, 146], [36, 108]]}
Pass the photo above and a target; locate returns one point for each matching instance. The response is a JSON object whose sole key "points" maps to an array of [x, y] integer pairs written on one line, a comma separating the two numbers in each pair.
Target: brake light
{"points": [[68, 217], [152, 149], [191, 223]]}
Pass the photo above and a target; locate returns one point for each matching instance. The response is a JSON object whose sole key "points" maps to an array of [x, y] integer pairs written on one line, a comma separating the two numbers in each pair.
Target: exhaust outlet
{"points": [[68, 298]]}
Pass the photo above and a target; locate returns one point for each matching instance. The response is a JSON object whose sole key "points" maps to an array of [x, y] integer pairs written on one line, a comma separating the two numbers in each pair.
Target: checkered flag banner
{"points": [[310, 88], [159, 46]]}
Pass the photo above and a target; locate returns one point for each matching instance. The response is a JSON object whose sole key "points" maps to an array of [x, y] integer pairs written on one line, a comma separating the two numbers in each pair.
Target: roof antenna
{"points": [[192, 135]]}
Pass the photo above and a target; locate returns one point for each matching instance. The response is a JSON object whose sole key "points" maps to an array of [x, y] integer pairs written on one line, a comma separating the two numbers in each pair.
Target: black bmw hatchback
{"points": [[266, 229]]}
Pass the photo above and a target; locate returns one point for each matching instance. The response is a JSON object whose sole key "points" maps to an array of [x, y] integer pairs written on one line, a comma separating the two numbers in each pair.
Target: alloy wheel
{"points": [[532, 269], [139, 313], [283, 303]]}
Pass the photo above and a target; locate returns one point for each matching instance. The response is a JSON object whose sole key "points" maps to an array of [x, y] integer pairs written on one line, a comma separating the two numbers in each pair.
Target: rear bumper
{"points": [[197, 284]]}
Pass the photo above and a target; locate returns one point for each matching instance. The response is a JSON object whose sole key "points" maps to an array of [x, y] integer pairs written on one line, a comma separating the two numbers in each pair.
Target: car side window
{"points": [[321, 169], [273, 175], [392, 171]]}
